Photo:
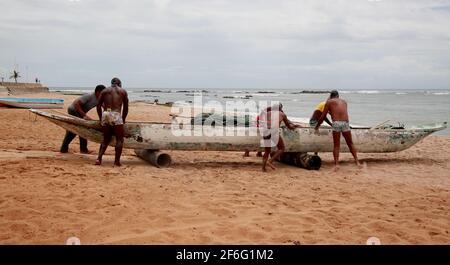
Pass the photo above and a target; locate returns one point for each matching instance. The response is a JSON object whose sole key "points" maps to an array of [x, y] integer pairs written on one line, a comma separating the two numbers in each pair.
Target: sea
{"points": [[366, 107]]}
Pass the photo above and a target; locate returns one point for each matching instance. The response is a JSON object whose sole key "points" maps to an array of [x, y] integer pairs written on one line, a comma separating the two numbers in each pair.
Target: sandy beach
{"points": [[211, 197]]}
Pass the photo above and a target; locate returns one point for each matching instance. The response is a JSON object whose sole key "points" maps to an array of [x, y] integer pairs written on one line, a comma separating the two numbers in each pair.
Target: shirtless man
{"points": [[112, 99], [338, 111], [269, 124]]}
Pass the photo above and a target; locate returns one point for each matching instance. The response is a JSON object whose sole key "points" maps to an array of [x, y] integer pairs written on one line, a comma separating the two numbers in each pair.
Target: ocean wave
{"points": [[368, 92], [156, 91], [266, 95], [191, 91], [237, 96], [240, 92], [359, 92], [436, 93]]}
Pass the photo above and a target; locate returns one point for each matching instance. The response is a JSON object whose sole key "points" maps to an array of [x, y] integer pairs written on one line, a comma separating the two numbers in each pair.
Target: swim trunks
{"points": [[270, 137], [313, 123], [340, 126], [111, 118]]}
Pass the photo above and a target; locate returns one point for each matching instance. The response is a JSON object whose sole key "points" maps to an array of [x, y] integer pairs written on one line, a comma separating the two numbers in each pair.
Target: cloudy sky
{"points": [[317, 44]]}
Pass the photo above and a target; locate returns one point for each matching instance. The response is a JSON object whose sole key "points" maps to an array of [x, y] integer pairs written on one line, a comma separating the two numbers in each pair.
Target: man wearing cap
{"points": [[112, 118]]}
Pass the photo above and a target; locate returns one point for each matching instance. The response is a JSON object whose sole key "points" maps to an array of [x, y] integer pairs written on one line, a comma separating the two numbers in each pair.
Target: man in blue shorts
{"points": [[339, 115]]}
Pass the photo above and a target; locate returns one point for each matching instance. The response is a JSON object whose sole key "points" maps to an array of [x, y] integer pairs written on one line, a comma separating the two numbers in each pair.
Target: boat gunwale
{"points": [[95, 123]]}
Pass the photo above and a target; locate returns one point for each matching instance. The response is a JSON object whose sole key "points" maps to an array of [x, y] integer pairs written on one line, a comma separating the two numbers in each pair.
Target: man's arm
{"points": [[323, 116], [99, 106], [125, 106], [288, 123], [78, 108]]}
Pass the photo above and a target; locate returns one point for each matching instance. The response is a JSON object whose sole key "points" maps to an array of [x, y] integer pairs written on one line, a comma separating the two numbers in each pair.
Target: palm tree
{"points": [[15, 76]]}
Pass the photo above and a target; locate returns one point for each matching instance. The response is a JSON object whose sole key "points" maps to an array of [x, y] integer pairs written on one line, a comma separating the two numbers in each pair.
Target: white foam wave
{"points": [[266, 95], [368, 92]]}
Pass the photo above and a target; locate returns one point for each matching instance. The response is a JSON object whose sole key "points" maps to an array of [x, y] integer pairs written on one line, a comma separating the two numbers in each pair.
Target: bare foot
{"points": [[336, 168], [264, 169], [271, 165], [86, 152], [362, 165], [98, 162], [117, 164]]}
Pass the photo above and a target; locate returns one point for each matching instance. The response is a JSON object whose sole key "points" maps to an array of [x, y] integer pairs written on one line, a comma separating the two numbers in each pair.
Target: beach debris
{"points": [[302, 160], [155, 157]]}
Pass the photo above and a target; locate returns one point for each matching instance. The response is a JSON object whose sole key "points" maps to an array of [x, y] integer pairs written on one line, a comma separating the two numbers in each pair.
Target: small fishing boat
{"points": [[167, 136], [32, 103]]}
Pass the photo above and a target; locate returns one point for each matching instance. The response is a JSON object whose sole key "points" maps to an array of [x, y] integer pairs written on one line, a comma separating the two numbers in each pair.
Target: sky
{"points": [[310, 44]]}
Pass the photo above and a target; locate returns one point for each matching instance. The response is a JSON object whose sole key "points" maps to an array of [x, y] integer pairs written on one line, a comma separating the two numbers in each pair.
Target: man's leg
{"points": [[348, 139], [119, 133], [280, 147], [83, 146], [67, 139], [337, 145], [107, 134], [246, 153], [266, 158]]}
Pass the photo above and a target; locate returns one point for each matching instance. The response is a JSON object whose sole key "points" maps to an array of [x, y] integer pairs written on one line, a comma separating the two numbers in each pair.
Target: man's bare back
{"points": [[112, 118], [337, 108], [272, 120], [113, 98], [277, 120]]}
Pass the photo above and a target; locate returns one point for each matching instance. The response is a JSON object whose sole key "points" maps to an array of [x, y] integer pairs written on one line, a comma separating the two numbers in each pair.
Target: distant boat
{"points": [[32, 103]]}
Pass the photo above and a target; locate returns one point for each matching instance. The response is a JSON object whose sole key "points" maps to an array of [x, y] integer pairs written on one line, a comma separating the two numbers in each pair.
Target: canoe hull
{"points": [[158, 136]]}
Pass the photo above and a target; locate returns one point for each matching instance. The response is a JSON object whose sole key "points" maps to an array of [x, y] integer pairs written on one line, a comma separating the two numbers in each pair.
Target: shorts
{"points": [[340, 126], [269, 137], [313, 123], [111, 118]]}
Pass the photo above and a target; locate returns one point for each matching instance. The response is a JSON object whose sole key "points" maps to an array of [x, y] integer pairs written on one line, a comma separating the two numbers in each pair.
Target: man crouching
{"points": [[112, 117]]}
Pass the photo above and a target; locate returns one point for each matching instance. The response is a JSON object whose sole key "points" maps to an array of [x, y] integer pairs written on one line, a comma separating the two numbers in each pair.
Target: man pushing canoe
{"points": [[112, 118], [338, 110], [79, 108]]}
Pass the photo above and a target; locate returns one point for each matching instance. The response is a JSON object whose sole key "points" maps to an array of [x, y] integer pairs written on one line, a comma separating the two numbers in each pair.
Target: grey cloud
{"points": [[220, 43]]}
